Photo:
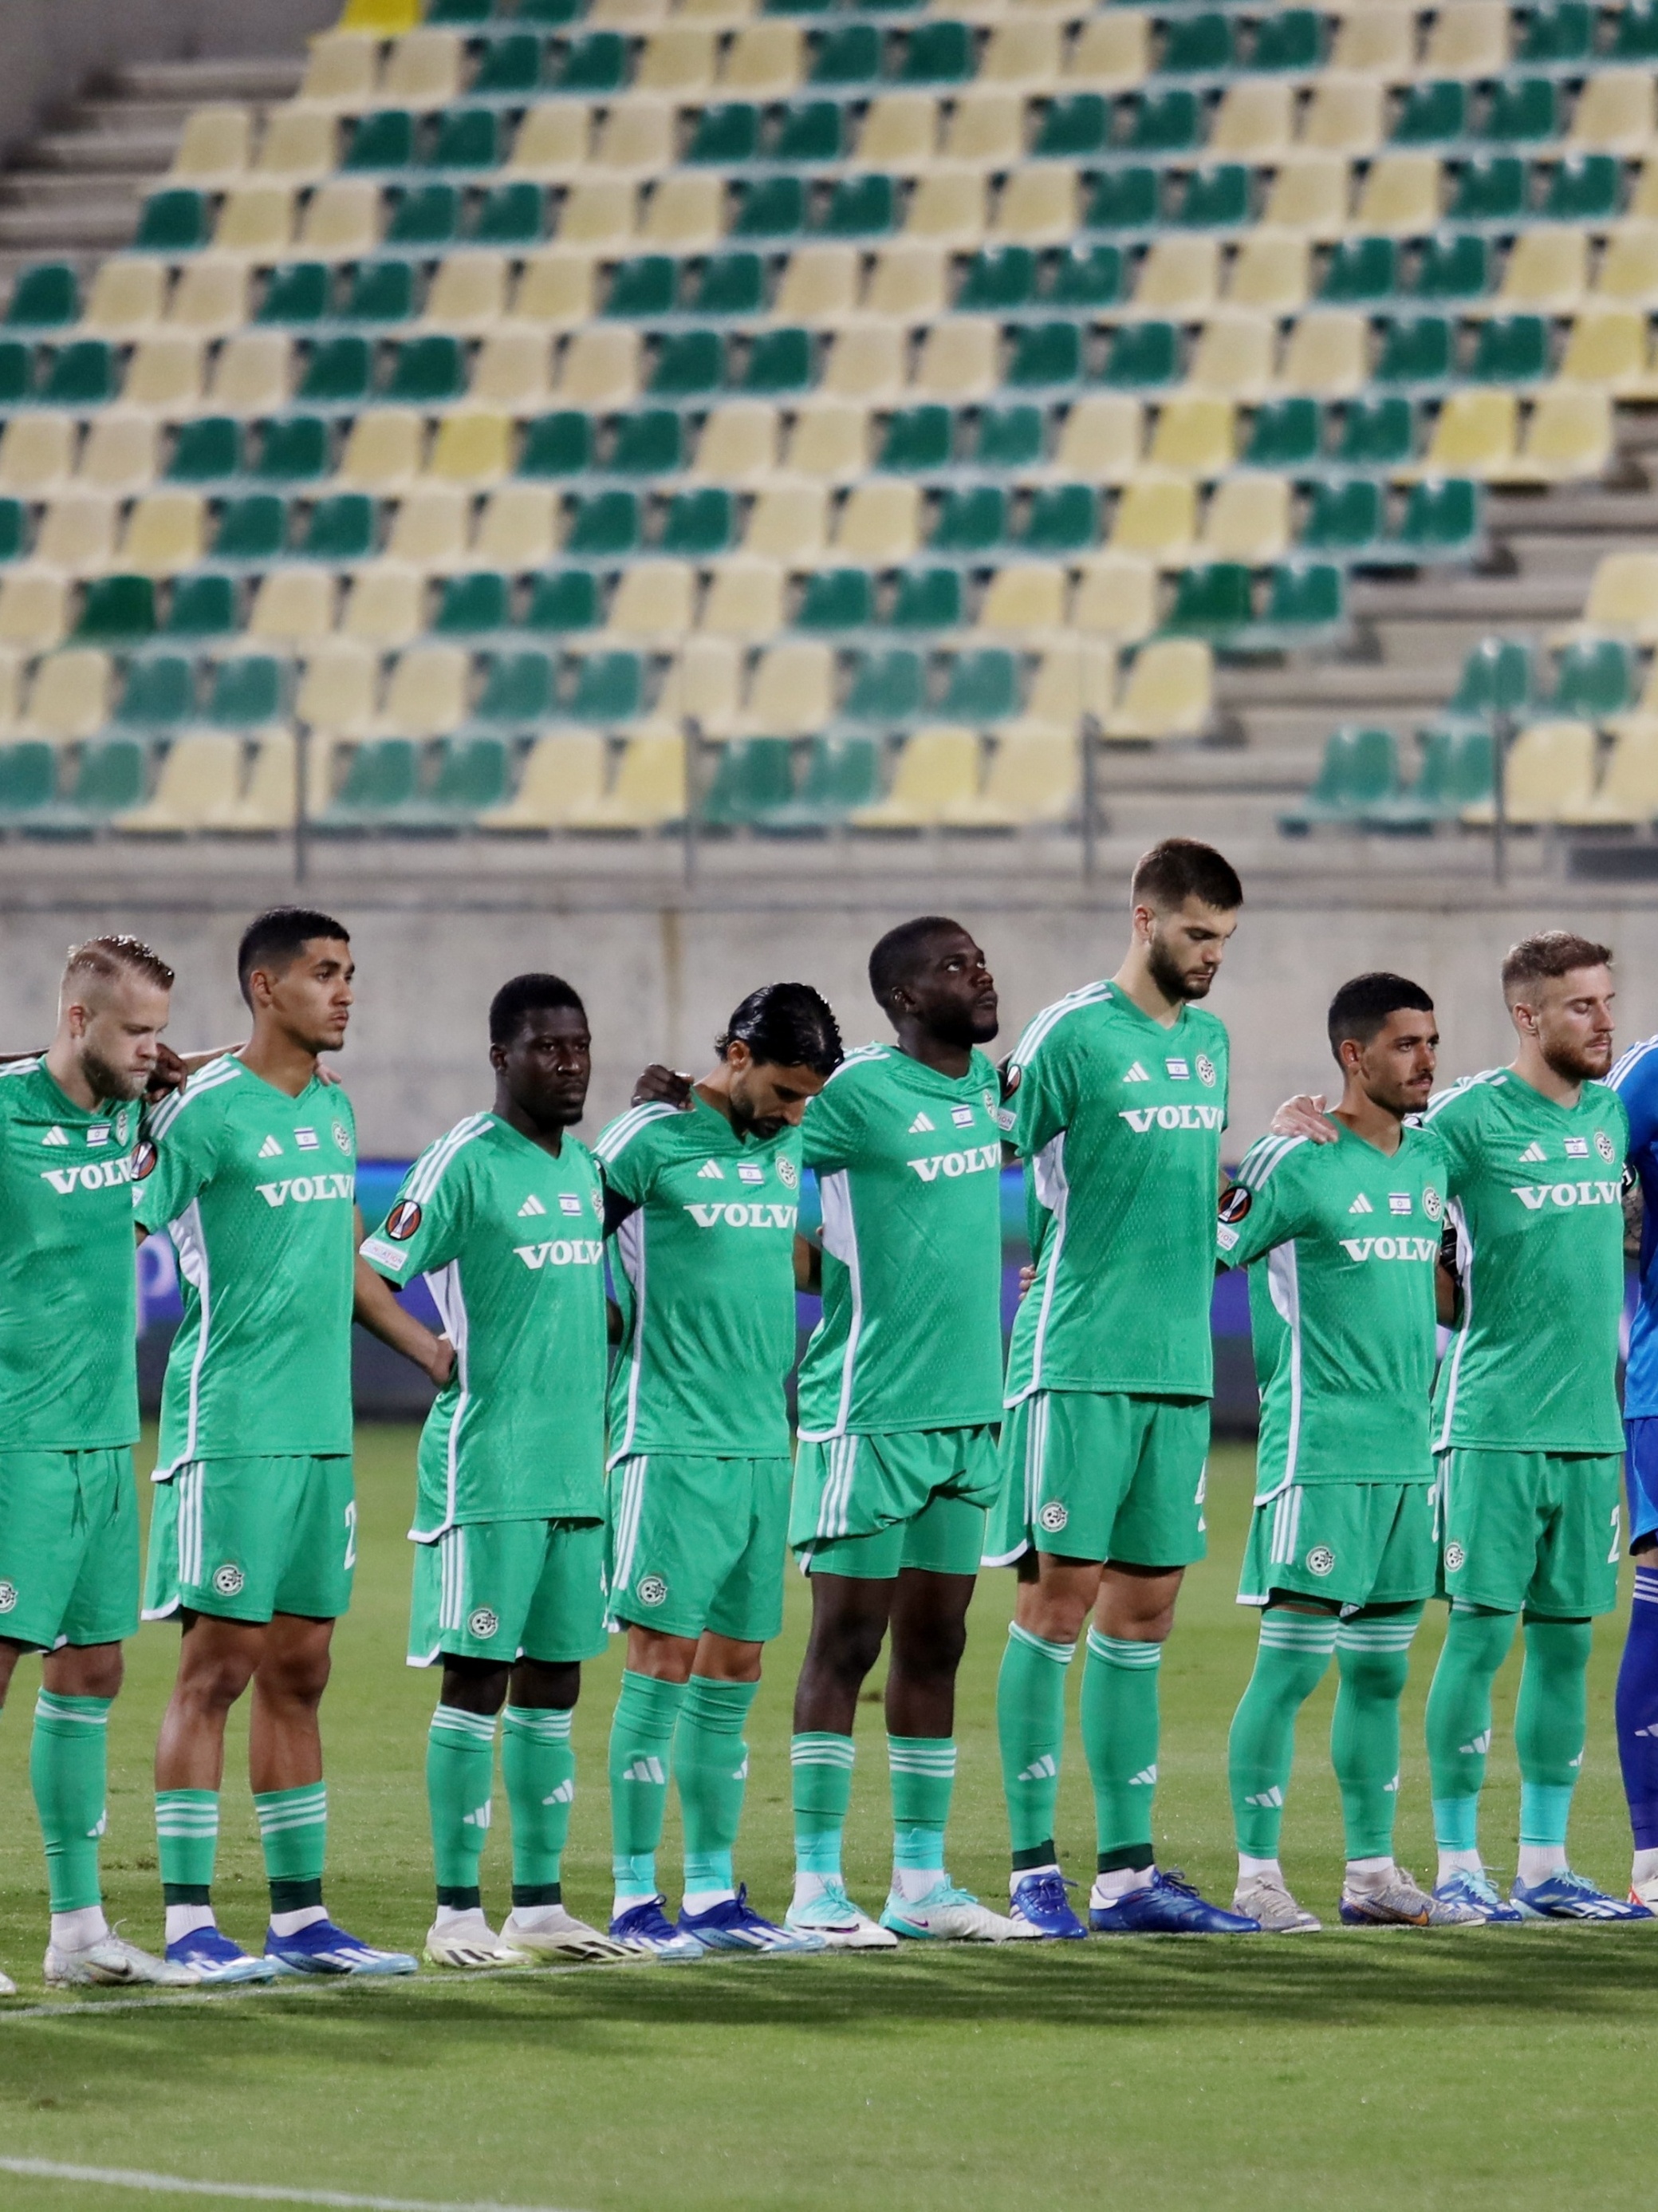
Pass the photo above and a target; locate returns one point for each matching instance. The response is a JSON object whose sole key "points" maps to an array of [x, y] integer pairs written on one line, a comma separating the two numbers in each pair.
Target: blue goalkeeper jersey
{"points": [[1635, 1078]]}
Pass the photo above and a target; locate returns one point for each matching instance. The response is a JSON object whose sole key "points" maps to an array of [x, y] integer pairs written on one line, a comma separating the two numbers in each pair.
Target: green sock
{"points": [[67, 1767], [1374, 1658], [1119, 1737], [923, 1770], [1459, 1720], [711, 1768], [821, 1765], [642, 1751], [294, 1833], [1550, 1722], [1030, 1724], [1290, 1659], [186, 1844], [538, 1768], [460, 1771]]}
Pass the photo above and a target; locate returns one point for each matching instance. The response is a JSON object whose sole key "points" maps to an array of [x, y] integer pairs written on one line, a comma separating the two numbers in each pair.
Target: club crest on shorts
{"points": [[1321, 1560], [229, 1581], [482, 1623], [1053, 1518], [1455, 1558], [786, 1172], [7, 1596], [652, 1590], [403, 1220]]}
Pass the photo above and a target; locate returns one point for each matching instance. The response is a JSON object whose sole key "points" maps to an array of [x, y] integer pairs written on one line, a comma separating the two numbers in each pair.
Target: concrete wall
{"points": [[659, 979]]}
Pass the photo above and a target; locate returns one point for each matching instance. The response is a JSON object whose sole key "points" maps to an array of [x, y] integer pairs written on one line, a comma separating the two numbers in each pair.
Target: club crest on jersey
{"points": [[7, 1596], [1604, 1145], [1321, 1560], [123, 1125], [1236, 1203], [229, 1581], [1053, 1518], [785, 1171], [403, 1220], [1455, 1558], [1205, 1068], [1432, 1203], [482, 1623], [341, 1137], [651, 1589], [143, 1161]]}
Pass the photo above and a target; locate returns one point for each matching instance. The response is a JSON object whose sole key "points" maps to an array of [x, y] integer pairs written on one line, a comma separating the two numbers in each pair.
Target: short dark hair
{"points": [[277, 938], [105, 959], [528, 994], [1180, 868], [895, 956], [785, 1025], [1551, 953], [1361, 1006]]}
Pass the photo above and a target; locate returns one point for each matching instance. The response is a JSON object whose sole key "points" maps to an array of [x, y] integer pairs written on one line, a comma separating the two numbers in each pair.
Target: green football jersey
{"points": [[1536, 1199], [511, 1240], [909, 1166], [705, 1283], [257, 1191], [1119, 1121], [1344, 1241], [69, 1374]]}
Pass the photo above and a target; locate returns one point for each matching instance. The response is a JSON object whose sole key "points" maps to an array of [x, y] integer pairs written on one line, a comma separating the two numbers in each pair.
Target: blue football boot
{"points": [[323, 1949], [1167, 1905], [1040, 1899], [734, 1926], [1564, 1895]]}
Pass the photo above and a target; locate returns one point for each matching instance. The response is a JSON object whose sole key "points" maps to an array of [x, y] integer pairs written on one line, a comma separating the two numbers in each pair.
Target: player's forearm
{"points": [[808, 1264], [376, 1307]]}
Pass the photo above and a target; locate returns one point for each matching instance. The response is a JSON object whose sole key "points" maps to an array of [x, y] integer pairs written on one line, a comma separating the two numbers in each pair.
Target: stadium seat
{"points": [[1569, 435], [1496, 679], [648, 792], [1477, 434], [1359, 775], [381, 776], [936, 767], [1594, 681], [201, 771], [1169, 693], [128, 297], [561, 776], [108, 778], [1453, 772], [1550, 775], [1627, 794], [47, 297]]}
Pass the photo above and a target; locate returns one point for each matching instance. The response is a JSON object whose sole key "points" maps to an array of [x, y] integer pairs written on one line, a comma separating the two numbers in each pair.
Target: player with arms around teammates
{"points": [[900, 1395], [251, 1169], [1118, 1094], [1342, 1245], [69, 1415], [504, 1217], [703, 1204], [1635, 1078]]}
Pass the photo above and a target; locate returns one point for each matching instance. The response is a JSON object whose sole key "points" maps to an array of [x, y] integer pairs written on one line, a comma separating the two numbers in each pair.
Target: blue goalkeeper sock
{"points": [[1637, 1711]]}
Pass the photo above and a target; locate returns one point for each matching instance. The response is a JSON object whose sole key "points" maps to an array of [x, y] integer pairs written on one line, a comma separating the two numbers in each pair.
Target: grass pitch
{"points": [[1367, 2069]]}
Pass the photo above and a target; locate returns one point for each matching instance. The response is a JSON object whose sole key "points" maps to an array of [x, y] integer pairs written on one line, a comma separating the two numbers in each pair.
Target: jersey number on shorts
{"points": [[351, 1534]]}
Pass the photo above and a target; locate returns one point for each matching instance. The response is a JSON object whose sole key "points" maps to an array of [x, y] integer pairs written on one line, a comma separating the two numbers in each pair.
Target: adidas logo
{"points": [[1137, 1074], [921, 1127], [54, 1136], [1040, 1770], [1391, 1786], [532, 1205], [1645, 1731], [1144, 1779], [1578, 1761], [1533, 1153], [741, 1774], [711, 1171], [478, 1819], [1361, 1204], [270, 1149], [564, 1794], [1270, 1800], [646, 1770], [1478, 1748]]}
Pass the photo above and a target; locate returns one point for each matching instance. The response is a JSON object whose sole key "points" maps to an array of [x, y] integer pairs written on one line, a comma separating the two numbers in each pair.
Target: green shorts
{"points": [[1094, 1474], [1538, 1532], [242, 1539], [69, 1547], [869, 1505], [1356, 1543], [698, 1543], [510, 1590]]}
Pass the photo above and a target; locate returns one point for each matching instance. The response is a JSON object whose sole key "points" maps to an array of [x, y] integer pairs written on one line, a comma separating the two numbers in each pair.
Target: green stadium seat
{"points": [[939, 53], [1491, 189], [1212, 599], [1377, 434], [175, 222], [1453, 266], [861, 207], [1286, 433], [1000, 278], [837, 599], [159, 693], [1511, 349], [553, 13], [927, 599], [648, 444], [83, 373], [605, 526], [508, 66], [517, 690], [1129, 198], [14, 529], [770, 207], [16, 372], [109, 778], [645, 286], [1076, 126], [380, 778], [815, 132], [917, 438], [1454, 771], [1089, 276], [207, 451], [1496, 679], [559, 445], [1563, 32], [511, 215], [474, 605], [1009, 437], [1417, 351], [730, 284], [472, 776], [609, 687], [381, 292], [295, 449], [427, 215], [689, 364], [1293, 40], [467, 138], [382, 141], [337, 373], [1522, 111], [1360, 770], [1432, 114], [201, 607], [841, 774], [1593, 677], [1359, 272], [1343, 518], [1198, 45], [1048, 352], [248, 692], [1635, 32], [458, 13], [116, 610], [1143, 357], [849, 55], [779, 361], [564, 602], [44, 298], [253, 527], [982, 687], [700, 524], [1303, 598], [595, 64], [297, 293], [1584, 188], [726, 136], [1165, 122], [1216, 199], [340, 529], [886, 687], [751, 777], [971, 519], [1441, 521], [1060, 519], [29, 780], [427, 372]]}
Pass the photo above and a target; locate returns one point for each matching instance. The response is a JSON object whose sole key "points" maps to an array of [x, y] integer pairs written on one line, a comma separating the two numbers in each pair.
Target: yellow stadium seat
{"points": [[300, 145], [830, 439], [1308, 193], [745, 599], [1024, 598], [164, 376], [1551, 775], [70, 697], [820, 285], [987, 129], [519, 527], [1644, 715], [1248, 519], [429, 531], [1628, 791], [76, 534], [513, 370], [686, 214], [1622, 597], [909, 284], [387, 19], [427, 694], [598, 214], [635, 138], [256, 220], [1102, 438], [293, 606], [1571, 434], [468, 294], [1325, 355], [1255, 120], [214, 146], [336, 692], [202, 771], [948, 206], [1376, 39], [128, 297], [1606, 349], [722, 14], [654, 599], [33, 609], [788, 523], [340, 73], [384, 606], [649, 791], [120, 453], [959, 360], [341, 219], [1469, 38], [1027, 54], [866, 364], [383, 450], [739, 443], [792, 693], [1169, 692], [1112, 51], [678, 61], [1033, 779], [472, 449], [1400, 193], [1076, 676], [266, 806], [1615, 113], [1155, 517], [10, 692], [624, 15], [1038, 206], [210, 297], [1475, 435], [1628, 275], [705, 681], [37, 452], [1546, 271], [552, 142], [763, 61], [1194, 436], [166, 533], [1270, 274], [936, 768], [1179, 277], [900, 131], [880, 522], [1345, 115], [1233, 354], [599, 368], [561, 776], [555, 288], [423, 71]]}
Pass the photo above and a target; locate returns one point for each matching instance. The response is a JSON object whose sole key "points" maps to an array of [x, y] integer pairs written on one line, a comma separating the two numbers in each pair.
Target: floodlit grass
{"points": [[1465, 2069]]}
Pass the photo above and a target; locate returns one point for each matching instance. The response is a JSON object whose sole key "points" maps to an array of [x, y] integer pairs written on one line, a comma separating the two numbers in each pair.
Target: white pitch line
{"points": [[112, 2177]]}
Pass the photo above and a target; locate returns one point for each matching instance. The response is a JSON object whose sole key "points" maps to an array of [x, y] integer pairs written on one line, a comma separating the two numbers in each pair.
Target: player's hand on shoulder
{"points": [[662, 1086], [1027, 1277], [169, 1073], [325, 1074], [1305, 1115]]}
